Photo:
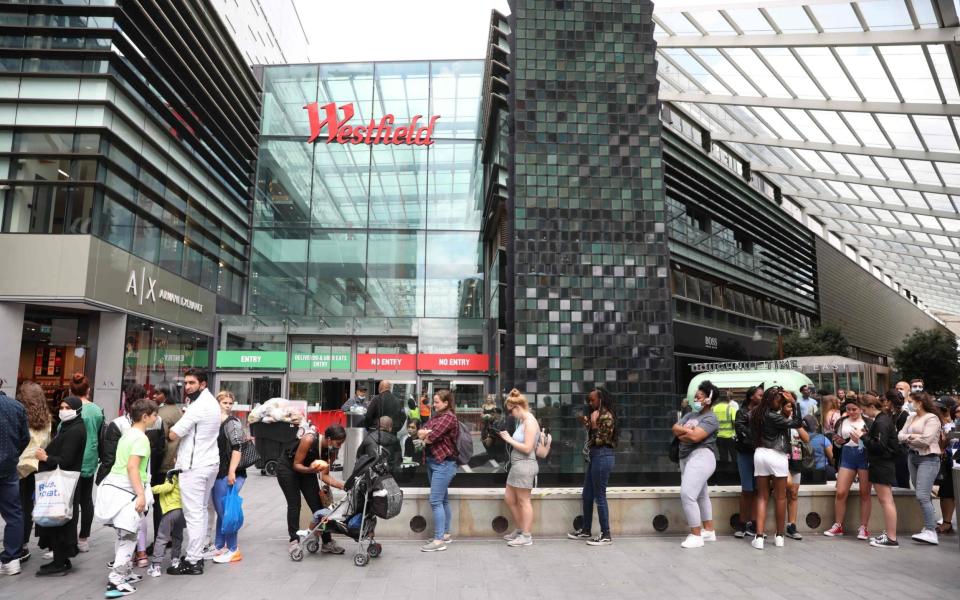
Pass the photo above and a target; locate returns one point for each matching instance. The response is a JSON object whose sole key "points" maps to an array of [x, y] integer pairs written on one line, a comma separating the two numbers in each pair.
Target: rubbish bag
{"points": [[54, 491], [232, 511]]}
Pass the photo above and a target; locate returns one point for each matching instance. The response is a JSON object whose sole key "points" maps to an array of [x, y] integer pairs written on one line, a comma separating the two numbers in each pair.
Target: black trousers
{"points": [[26, 502], [903, 472], [85, 499], [294, 485]]}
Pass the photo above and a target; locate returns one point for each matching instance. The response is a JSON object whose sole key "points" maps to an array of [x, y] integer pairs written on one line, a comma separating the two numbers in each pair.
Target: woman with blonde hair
{"points": [[523, 467], [830, 414], [33, 399]]}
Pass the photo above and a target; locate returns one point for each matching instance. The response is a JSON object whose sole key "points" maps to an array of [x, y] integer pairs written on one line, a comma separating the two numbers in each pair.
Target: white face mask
{"points": [[916, 388], [68, 414]]}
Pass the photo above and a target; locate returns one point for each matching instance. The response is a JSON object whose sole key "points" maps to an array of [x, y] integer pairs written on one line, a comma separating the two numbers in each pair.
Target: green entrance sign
{"points": [[320, 361], [251, 359]]}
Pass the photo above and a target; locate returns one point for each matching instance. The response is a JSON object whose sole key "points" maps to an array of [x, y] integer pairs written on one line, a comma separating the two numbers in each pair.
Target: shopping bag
{"points": [[54, 491], [232, 511]]}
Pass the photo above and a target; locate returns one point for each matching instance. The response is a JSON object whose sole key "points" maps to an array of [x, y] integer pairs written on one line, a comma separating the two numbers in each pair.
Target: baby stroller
{"points": [[371, 493]]}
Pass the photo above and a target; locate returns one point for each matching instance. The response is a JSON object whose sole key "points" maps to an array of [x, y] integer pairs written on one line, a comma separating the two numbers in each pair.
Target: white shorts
{"points": [[770, 463]]}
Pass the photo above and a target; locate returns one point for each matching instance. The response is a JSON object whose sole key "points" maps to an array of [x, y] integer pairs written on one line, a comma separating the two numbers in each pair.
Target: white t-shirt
{"points": [[847, 427], [198, 430]]}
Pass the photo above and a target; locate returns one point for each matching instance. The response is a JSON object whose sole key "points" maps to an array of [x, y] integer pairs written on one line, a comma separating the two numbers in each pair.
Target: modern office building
{"points": [[128, 133], [267, 32]]}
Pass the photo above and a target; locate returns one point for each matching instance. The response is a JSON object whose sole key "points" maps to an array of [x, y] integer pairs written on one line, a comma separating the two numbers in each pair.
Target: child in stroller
{"points": [[371, 493]]}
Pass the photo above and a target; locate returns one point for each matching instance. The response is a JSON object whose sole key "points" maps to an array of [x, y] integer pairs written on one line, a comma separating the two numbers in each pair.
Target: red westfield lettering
{"points": [[373, 133]]}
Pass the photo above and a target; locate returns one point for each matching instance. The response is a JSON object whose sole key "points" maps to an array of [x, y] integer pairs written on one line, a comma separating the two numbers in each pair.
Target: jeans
{"points": [[923, 472], [12, 514], [85, 491], [595, 481], [195, 487], [294, 485], [695, 469], [220, 489], [441, 474]]}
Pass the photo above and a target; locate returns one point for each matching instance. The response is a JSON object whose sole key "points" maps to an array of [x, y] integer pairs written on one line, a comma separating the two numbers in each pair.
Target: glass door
{"points": [[250, 390]]}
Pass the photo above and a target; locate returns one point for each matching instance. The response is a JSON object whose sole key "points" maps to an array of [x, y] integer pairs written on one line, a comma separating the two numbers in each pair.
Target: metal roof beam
{"points": [[952, 157], [834, 39], [886, 238], [899, 185], [895, 108], [881, 254], [929, 212]]}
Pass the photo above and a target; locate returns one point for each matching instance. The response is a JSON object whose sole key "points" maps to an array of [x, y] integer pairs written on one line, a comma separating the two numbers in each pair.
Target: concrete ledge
{"points": [[632, 510]]}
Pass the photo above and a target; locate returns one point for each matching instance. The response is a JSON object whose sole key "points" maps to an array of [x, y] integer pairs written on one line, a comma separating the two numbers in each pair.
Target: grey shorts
{"points": [[523, 474]]}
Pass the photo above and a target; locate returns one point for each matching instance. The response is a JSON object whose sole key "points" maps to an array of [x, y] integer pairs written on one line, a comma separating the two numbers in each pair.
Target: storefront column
{"points": [[11, 323], [108, 342]]}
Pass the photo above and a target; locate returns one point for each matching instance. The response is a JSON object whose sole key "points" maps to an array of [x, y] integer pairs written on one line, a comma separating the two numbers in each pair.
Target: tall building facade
{"points": [[128, 134], [268, 32]]}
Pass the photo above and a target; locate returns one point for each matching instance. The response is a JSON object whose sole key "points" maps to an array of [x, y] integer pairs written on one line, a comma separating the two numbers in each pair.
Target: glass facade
{"points": [[156, 353], [369, 230]]}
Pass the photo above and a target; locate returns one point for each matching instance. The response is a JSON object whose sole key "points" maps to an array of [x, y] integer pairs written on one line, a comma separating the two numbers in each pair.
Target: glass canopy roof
{"points": [[852, 108]]}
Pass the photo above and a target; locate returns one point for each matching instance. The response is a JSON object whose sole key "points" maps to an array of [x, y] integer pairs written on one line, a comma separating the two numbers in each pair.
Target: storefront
{"points": [[100, 311]]}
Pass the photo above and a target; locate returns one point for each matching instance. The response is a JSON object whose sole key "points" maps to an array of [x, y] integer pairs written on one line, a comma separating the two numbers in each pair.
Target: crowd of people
{"points": [[900, 440]]}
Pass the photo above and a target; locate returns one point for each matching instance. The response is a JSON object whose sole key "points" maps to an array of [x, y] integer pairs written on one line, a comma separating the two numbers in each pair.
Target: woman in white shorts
{"points": [[771, 433]]}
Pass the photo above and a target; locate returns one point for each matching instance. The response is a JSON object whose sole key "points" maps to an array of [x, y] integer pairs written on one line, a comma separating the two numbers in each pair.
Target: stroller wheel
{"points": [[313, 546], [375, 550], [271, 468], [360, 559], [296, 555]]}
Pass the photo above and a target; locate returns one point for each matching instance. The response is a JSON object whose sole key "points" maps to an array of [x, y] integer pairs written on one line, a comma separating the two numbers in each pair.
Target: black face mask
{"points": [[195, 395]]}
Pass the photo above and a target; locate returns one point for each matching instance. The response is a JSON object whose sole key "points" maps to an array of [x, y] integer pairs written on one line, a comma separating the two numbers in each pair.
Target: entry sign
{"points": [[453, 362], [320, 361], [251, 359], [386, 362]]}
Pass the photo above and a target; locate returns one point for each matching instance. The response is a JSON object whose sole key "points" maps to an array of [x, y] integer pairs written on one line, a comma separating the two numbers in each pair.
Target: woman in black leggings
{"points": [[297, 476]]}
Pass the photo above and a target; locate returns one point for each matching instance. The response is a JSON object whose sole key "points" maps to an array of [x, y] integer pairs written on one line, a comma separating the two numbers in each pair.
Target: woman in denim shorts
{"points": [[853, 463]]}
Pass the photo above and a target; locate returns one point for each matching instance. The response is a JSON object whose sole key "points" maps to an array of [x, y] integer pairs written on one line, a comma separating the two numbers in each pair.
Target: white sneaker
{"points": [[228, 557], [433, 546], [447, 538], [708, 535], [214, 553], [778, 541], [524, 539], [757, 543], [692, 541], [83, 545], [11, 568], [512, 535], [927, 536], [48, 555], [154, 570]]}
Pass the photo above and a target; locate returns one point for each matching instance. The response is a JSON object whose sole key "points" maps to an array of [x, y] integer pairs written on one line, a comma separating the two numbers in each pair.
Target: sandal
{"points": [[945, 529]]}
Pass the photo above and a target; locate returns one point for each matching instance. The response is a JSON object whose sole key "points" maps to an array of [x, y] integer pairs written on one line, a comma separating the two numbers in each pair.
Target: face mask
{"points": [[916, 388], [697, 406], [910, 407], [194, 395], [68, 414]]}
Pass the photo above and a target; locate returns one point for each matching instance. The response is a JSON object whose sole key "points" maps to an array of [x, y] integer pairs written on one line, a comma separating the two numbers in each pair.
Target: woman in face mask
{"points": [[697, 432], [64, 452]]}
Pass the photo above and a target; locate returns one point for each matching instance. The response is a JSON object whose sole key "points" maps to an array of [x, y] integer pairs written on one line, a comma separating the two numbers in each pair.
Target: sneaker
{"points": [[186, 568], [692, 541], [154, 570], [133, 578], [447, 538], [882, 541], [174, 562], [835, 531], [927, 536], [757, 543], [778, 541], [48, 555], [524, 539], [751, 530], [741, 531], [578, 534], [51, 570], [83, 545], [708, 535], [24, 555], [118, 590], [331, 547], [211, 553], [294, 545], [862, 533], [514, 534], [11, 568], [601, 540], [228, 557], [792, 532], [433, 546]]}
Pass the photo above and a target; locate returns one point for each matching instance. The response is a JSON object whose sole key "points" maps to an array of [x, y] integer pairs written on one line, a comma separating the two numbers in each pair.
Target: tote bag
{"points": [[54, 497]]}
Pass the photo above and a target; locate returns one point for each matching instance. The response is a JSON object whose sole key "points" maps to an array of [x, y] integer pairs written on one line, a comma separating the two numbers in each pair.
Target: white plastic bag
{"points": [[54, 497]]}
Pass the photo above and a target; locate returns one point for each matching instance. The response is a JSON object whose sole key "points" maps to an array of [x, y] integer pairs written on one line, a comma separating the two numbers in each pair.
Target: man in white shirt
{"points": [[198, 460]]}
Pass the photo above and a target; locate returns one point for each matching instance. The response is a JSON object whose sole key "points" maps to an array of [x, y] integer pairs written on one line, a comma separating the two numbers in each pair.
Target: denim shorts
{"points": [[853, 458], [745, 466]]}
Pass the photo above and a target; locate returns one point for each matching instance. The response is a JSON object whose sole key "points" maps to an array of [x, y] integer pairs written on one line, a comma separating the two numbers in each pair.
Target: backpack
{"points": [[543, 444], [464, 444]]}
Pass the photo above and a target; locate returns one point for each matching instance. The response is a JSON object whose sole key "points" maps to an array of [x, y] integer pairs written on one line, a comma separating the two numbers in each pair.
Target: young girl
{"points": [[123, 499]]}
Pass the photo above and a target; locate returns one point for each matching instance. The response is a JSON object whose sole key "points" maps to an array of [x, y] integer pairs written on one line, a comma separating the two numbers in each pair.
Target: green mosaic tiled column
{"points": [[591, 298]]}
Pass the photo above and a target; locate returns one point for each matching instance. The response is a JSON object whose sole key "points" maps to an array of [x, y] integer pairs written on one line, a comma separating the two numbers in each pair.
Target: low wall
{"points": [[632, 511]]}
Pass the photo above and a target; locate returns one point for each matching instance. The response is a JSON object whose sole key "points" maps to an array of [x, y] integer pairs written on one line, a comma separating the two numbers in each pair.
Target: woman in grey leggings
{"points": [[697, 432], [921, 435]]}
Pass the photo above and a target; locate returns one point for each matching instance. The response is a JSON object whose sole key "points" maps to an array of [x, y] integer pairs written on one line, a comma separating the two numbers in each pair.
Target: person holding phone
{"points": [[523, 468], [921, 435], [853, 463], [600, 422], [697, 432]]}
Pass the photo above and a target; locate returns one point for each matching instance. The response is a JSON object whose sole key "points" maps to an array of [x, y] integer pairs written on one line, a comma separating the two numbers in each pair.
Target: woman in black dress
{"points": [[882, 448], [66, 452]]}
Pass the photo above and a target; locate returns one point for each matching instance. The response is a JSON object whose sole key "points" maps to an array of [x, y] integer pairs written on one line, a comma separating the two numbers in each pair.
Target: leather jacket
{"points": [[776, 431]]}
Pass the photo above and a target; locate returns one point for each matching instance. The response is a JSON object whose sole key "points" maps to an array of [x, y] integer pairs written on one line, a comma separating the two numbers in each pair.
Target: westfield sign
{"points": [[384, 132]]}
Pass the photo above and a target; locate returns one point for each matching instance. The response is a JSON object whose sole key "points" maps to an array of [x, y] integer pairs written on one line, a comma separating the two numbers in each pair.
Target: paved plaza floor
{"points": [[649, 567]]}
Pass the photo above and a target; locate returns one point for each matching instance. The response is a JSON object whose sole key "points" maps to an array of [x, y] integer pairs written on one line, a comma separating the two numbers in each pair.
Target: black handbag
{"points": [[248, 454], [674, 453]]}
